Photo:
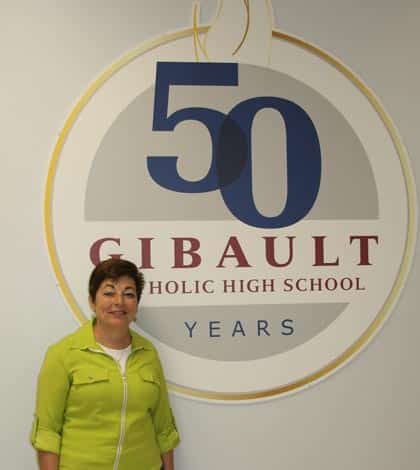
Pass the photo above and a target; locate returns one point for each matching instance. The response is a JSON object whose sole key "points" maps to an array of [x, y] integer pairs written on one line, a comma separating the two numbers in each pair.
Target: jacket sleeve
{"points": [[163, 419], [53, 387]]}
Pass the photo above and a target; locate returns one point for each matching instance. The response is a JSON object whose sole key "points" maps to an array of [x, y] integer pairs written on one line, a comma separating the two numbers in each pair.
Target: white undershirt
{"points": [[119, 355]]}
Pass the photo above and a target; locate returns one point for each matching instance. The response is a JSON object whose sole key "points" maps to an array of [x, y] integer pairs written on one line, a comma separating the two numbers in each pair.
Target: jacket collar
{"points": [[85, 339]]}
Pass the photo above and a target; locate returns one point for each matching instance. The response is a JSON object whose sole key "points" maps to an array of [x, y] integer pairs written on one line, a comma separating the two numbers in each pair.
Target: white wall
{"points": [[363, 417]]}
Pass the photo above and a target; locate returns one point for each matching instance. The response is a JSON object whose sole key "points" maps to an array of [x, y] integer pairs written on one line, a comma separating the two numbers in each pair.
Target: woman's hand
{"points": [[167, 460], [47, 461]]}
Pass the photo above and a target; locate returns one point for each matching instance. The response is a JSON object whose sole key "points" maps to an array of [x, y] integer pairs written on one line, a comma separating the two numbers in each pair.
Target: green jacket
{"points": [[95, 418]]}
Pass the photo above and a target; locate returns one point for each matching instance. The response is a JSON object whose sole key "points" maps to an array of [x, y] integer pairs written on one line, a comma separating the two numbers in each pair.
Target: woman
{"points": [[102, 401]]}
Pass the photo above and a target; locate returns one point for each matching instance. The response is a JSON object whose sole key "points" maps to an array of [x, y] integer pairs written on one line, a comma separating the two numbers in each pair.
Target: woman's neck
{"points": [[112, 338]]}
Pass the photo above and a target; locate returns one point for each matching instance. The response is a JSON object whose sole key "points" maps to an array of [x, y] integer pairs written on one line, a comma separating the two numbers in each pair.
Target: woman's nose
{"points": [[118, 298]]}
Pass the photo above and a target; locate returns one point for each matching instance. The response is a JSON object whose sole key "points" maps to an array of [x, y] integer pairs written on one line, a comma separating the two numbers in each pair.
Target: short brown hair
{"points": [[113, 269]]}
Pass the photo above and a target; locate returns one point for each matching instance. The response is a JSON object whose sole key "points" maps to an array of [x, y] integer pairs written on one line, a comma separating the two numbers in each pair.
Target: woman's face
{"points": [[115, 303]]}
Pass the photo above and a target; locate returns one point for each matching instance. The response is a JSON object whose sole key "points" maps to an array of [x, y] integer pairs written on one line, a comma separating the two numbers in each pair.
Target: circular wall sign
{"points": [[270, 206]]}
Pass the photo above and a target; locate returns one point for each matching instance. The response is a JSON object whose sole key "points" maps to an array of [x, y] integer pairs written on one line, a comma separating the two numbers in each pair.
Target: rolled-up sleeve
{"points": [[165, 427], [53, 387]]}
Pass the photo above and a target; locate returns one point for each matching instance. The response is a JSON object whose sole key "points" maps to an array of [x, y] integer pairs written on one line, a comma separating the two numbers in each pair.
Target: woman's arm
{"points": [[164, 423], [167, 460], [165, 428], [53, 387], [47, 461]]}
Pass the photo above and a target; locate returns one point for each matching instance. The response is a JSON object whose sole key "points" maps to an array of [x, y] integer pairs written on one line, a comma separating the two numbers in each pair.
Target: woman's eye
{"points": [[108, 294], [129, 294]]}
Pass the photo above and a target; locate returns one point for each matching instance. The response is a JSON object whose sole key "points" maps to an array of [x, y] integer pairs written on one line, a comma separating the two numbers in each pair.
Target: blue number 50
{"points": [[231, 168]]}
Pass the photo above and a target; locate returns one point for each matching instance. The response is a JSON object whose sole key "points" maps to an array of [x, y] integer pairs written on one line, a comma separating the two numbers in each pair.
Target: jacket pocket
{"points": [[149, 374], [90, 375]]}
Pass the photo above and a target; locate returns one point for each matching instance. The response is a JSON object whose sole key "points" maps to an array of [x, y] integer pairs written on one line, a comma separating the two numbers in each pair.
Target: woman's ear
{"points": [[92, 305]]}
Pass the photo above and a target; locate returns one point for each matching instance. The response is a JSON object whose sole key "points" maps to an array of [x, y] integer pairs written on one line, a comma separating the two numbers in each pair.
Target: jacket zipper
{"points": [[123, 407], [123, 418]]}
